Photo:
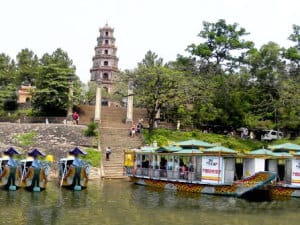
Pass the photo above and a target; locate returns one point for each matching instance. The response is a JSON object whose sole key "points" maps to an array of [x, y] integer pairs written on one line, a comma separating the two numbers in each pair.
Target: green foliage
{"points": [[93, 157], [164, 137], [26, 139], [92, 130], [53, 83]]}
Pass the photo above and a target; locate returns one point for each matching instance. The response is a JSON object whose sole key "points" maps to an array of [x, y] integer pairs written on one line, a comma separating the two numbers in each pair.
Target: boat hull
{"points": [[35, 179], [10, 178], [76, 178], [237, 189], [284, 191]]}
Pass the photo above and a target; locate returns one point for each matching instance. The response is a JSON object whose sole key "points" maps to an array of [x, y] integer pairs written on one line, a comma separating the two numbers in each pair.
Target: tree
{"points": [[51, 95], [157, 87], [223, 46], [8, 84], [27, 67]]}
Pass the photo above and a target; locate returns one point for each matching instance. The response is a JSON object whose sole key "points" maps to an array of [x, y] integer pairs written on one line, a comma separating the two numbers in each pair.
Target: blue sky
{"points": [[166, 27]]}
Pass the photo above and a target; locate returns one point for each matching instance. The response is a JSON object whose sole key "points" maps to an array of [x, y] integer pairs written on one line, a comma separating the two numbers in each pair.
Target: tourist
{"points": [[75, 117], [132, 130], [108, 152]]}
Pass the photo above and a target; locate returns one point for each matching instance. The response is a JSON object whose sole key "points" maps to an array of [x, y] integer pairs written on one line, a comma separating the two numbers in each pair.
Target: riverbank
{"points": [[52, 139]]}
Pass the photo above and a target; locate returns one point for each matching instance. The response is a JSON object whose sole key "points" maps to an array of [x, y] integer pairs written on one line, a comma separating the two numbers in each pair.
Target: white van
{"points": [[269, 135]]}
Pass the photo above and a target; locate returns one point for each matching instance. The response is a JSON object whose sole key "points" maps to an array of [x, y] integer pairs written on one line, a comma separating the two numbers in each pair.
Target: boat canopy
{"points": [[169, 148], [194, 143], [261, 153], [285, 147], [220, 150], [189, 151]]}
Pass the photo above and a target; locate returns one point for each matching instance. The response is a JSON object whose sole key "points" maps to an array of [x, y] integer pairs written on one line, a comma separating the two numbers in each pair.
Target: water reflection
{"points": [[120, 202]]}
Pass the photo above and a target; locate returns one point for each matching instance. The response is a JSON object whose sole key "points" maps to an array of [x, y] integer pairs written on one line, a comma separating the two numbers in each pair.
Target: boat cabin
{"points": [[214, 165]]}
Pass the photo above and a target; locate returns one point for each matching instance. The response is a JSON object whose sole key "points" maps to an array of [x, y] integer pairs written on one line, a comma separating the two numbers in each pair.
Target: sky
{"points": [[165, 27]]}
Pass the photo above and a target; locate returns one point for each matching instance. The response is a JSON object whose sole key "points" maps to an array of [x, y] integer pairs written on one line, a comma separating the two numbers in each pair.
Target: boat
{"points": [[286, 164], [73, 172], [192, 166], [33, 172], [9, 170]]}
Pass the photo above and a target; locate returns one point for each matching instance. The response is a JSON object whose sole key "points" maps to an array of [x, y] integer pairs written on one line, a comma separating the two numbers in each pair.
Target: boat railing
{"points": [[161, 174]]}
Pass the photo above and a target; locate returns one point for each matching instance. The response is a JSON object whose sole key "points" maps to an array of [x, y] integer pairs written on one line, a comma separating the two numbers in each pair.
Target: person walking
{"points": [[75, 117], [108, 152]]}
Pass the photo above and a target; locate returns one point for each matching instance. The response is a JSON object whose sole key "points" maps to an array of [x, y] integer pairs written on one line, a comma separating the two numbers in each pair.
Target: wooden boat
{"points": [[192, 168], [71, 175]]}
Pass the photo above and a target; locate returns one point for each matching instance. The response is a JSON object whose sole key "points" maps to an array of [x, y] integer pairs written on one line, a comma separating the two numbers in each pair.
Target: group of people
{"points": [[136, 128]]}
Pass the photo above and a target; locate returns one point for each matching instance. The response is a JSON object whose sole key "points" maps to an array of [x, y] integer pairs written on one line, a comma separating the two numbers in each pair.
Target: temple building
{"points": [[105, 61], [24, 94]]}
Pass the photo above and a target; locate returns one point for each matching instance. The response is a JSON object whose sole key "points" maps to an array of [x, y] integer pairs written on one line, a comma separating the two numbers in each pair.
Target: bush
{"points": [[91, 130], [93, 157]]}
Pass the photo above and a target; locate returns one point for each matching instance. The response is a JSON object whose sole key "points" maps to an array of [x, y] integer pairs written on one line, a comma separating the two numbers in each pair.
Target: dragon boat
{"points": [[192, 166], [284, 161], [33, 172], [10, 176], [73, 172]]}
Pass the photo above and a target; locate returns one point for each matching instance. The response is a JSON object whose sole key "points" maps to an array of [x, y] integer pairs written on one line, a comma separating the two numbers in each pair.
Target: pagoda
{"points": [[105, 61]]}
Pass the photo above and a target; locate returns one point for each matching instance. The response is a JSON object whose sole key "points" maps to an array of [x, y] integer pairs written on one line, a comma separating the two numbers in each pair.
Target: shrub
{"points": [[93, 157], [91, 130]]}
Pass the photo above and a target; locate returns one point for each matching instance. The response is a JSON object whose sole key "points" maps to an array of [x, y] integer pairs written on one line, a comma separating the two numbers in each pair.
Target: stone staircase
{"points": [[114, 132]]}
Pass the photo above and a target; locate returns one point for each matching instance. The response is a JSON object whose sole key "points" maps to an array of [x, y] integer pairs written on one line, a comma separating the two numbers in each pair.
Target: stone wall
{"points": [[54, 139]]}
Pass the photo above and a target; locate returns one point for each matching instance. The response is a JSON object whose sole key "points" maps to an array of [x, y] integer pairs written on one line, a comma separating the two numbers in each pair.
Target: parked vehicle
{"points": [[269, 135]]}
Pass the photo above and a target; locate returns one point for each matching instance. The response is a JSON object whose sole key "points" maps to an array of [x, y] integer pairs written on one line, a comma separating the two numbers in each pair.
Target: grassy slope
{"points": [[165, 137]]}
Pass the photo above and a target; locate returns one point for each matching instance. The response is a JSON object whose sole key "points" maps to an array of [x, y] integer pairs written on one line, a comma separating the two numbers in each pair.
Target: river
{"points": [[115, 202]]}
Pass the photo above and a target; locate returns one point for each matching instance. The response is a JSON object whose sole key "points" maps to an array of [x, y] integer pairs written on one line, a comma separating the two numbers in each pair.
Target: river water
{"points": [[121, 202]]}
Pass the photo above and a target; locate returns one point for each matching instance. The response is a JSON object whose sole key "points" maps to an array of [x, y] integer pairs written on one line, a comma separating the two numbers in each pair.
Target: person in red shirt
{"points": [[75, 117]]}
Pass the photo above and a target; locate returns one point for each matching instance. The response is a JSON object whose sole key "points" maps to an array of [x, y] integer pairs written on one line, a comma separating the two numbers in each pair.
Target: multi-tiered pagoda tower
{"points": [[105, 61]]}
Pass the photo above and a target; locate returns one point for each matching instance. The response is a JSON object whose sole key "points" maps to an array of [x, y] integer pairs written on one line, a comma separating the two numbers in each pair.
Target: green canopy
{"points": [[169, 148], [194, 143], [189, 151], [220, 149], [285, 147], [148, 149], [261, 151], [282, 154]]}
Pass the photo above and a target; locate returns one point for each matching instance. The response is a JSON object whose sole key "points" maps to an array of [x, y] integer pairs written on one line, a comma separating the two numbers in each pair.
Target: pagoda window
{"points": [[106, 52], [106, 33], [105, 76], [106, 42], [105, 63]]}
